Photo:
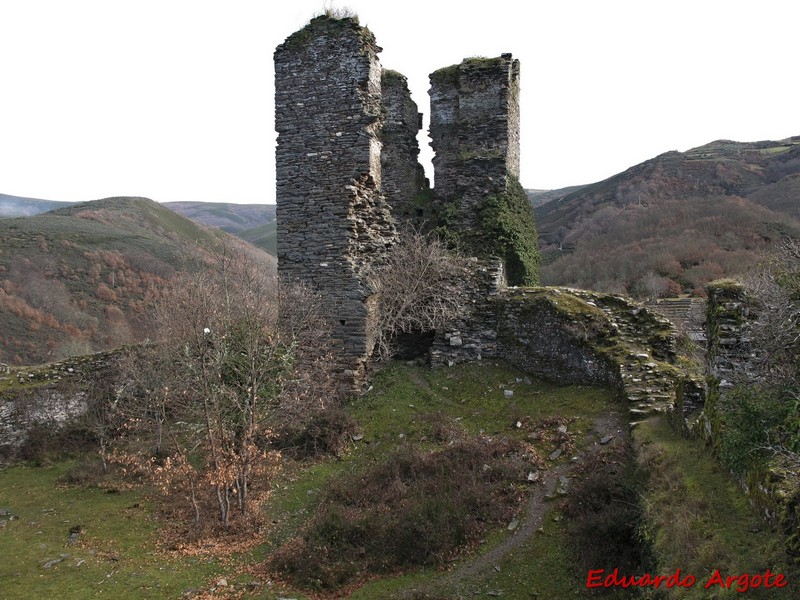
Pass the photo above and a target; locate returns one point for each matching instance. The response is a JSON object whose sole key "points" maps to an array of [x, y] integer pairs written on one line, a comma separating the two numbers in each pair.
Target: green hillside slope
{"points": [[17, 206], [264, 236], [233, 218]]}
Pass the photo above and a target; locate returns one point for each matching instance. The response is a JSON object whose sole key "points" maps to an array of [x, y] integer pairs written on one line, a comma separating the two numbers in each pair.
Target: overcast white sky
{"points": [[173, 99]]}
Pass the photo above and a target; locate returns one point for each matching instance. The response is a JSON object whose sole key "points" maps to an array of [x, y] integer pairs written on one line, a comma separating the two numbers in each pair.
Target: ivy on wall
{"points": [[508, 230]]}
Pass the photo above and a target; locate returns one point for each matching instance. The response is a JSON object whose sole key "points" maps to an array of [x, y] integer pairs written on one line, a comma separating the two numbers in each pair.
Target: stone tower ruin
{"points": [[474, 130], [332, 221], [475, 137], [348, 171], [404, 183]]}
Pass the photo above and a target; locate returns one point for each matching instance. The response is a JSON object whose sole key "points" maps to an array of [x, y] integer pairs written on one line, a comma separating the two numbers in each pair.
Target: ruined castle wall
{"points": [[52, 397], [474, 335], [537, 336], [478, 201], [773, 488], [474, 133], [729, 351], [333, 222], [403, 178]]}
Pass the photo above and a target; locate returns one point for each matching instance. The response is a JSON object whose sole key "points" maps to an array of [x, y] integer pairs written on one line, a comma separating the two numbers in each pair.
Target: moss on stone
{"points": [[588, 323], [392, 77], [508, 230], [481, 62], [446, 75], [725, 285], [328, 23]]}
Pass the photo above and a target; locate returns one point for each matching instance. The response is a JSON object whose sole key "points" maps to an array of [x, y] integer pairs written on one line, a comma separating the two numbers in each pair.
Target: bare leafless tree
{"points": [[776, 332], [419, 288]]}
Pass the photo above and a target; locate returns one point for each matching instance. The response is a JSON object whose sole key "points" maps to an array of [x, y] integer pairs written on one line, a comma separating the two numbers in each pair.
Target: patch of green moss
{"points": [[481, 62], [331, 23], [391, 77], [446, 75], [724, 285], [508, 230], [479, 154]]}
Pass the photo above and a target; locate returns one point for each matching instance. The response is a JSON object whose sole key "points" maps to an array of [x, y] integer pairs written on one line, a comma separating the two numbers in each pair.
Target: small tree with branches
{"points": [[419, 288], [202, 402]]}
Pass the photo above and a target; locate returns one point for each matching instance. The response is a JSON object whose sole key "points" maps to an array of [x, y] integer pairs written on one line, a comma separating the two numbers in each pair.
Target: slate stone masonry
{"points": [[403, 178], [333, 222], [475, 135]]}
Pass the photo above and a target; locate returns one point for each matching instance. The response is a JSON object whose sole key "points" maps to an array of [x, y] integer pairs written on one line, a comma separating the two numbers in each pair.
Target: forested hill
{"points": [[669, 225], [233, 218], [81, 278]]}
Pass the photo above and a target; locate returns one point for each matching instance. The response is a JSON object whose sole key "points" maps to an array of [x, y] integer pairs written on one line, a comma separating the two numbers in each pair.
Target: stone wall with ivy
{"points": [[479, 204], [740, 416]]}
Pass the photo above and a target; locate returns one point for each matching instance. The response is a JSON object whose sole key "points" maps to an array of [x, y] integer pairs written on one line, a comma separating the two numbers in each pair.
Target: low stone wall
{"points": [[51, 396], [775, 489], [573, 336], [556, 336]]}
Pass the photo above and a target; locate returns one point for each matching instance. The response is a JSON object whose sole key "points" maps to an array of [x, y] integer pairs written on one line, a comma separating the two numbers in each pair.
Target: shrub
{"points": [[415, 509], [326, 432], [604, 512], [751, 421]]}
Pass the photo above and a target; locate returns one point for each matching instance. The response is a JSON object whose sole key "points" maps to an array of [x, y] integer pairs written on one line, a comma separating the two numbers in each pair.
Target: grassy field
{"points": [[116, 554], [700, 521], [120, 550]]}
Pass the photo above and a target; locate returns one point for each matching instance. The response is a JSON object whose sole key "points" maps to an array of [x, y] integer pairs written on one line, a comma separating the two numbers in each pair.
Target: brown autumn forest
{"points": [[80, 279], [670, 225]]}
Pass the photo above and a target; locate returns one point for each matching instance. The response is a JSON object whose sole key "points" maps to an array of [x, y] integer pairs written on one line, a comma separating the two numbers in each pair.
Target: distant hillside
{"points": [[264, 236], [233, 218], [81, 278], [17, 206], [671, 224], [539, 197]]}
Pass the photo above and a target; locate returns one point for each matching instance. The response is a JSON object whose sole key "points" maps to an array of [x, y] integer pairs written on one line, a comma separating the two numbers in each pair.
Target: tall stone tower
{"points": [[475, 135], [333, 222], [404, 183]]}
